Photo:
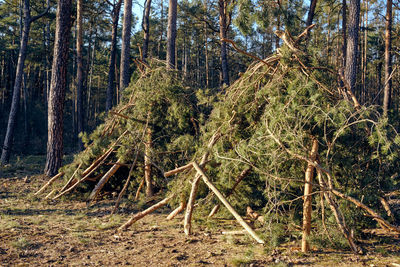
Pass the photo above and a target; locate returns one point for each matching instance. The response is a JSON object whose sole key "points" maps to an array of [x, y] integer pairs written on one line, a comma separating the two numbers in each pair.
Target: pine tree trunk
{"points": [[125, 50], [311, 12], [388, 58], [146, 29], [344, 37], [365, 52], [79, 73], [113, 52], [57, 88], [161, 30], [352, 44], [206, 47], [171, 33], [223, 29]]}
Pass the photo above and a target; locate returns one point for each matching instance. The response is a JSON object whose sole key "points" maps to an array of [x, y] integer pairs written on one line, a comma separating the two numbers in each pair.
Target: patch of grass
{"points": [[383, 251], [241, 261], [8, 223], [113, 222], [84, 240], [21, 243], [81, 227]]}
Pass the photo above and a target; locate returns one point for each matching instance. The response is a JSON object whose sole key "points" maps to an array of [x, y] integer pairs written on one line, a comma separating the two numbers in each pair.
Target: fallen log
{"points": [[227, 204]]}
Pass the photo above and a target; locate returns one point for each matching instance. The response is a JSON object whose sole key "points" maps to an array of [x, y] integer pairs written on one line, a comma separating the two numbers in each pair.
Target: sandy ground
{"points": [[36, 232]]}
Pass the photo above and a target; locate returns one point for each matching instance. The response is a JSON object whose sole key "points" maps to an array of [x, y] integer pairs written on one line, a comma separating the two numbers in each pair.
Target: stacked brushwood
{"points": [[153, 129], [282, 130]]}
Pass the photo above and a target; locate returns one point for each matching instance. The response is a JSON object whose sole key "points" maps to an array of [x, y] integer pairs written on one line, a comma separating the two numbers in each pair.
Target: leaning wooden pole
{"points": [[103, 181], [141, 214], [187, 223], [49, 183], [178, 210], [227, 204], [307, 208]]}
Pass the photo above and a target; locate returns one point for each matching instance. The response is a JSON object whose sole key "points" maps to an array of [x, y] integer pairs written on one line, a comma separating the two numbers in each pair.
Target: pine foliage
{"points": [[155, 99], [267, 119]]}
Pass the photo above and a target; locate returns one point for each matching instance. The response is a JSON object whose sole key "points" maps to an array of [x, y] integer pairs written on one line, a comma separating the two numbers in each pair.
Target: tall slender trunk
{"points": [[185, 58], [91, 78], [113, 51], [171, 34], [224, 18], [161, 30], [388, 58], [58, 87], [344, 36], [352, 44], [48, 72], [146, 29], [365, 52], [125, 49], [79, 71], [12, 118]]}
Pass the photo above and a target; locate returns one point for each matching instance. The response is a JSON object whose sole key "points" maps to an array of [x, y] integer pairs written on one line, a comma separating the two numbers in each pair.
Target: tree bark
{"points": [[12, 119], [352, 44], [171, 33], [57, 88], [311, 13], [344, 42], [146, 29], [79, 73], [224, 18], [388, 58], [111, 67], [125, 50]]}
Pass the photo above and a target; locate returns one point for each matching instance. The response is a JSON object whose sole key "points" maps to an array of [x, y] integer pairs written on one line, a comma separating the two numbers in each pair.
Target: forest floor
{"points": [[34, 232]]}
